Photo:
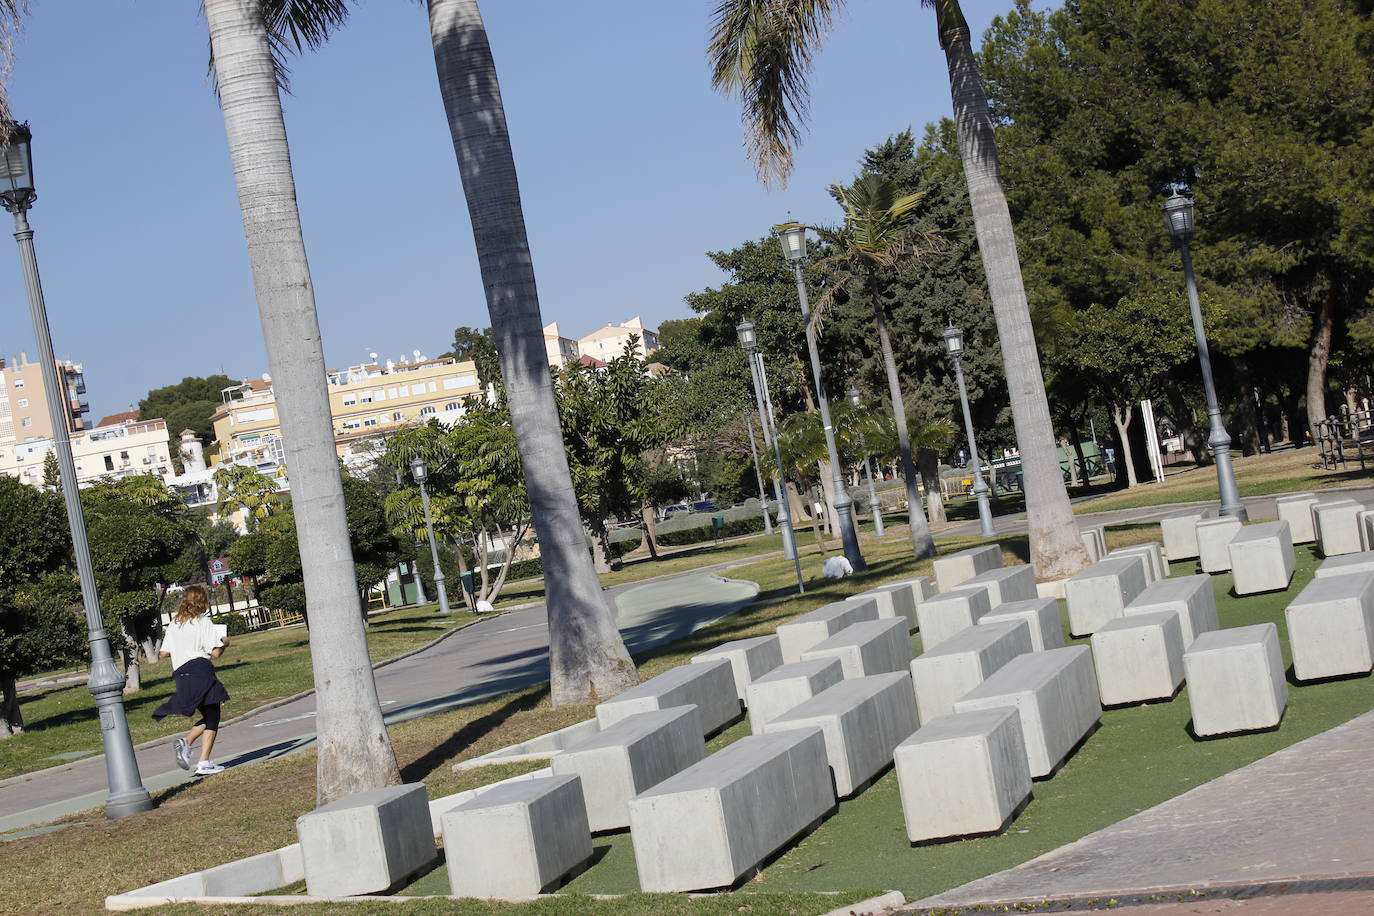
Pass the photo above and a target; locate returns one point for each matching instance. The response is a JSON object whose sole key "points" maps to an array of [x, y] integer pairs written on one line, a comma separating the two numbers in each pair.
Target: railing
{"points": [[1345, 432]]}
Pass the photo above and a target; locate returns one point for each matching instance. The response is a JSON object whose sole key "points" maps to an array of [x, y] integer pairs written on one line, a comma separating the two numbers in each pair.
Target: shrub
{"points": [[707, 532], [532, 568], [235, 622]]}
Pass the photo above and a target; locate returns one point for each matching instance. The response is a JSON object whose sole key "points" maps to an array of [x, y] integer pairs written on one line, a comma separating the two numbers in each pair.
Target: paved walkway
{"points": [[487, 659], [1287, 827]]}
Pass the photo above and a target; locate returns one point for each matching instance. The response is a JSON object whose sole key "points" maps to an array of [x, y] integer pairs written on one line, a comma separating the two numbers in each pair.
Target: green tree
{"points": [[242, 488], [52, 477], [476, 344], [189, 404]]}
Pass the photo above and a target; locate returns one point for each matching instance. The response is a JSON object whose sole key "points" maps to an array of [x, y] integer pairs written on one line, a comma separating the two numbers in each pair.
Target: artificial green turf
{"points": [[755, 904], [1140, 756]]}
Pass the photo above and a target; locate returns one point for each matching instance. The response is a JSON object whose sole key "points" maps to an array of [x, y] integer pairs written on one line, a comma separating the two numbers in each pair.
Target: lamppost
{"points": [[793, 238], [758, 474], [954, 348], [420, 471], [1178, 213], [748, 339], [855, 399], [127, 795]]}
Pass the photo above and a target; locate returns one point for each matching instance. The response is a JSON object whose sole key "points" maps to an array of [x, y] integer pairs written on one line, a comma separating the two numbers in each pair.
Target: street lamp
{"points": [[1178, 213], [793, 239], [954, 348], [420, 471], [748, 339], [127, 795], [878, 530]]}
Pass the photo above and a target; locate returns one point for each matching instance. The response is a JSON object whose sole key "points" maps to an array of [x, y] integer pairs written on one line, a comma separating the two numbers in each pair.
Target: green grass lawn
{"points": [[257, 668]]}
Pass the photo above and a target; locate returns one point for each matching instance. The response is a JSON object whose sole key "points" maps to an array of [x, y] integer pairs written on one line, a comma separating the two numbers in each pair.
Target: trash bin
{"points": [[718, 526]]}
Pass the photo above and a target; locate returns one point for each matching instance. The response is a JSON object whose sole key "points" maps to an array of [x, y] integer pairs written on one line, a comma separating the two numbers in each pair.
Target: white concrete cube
{"points": [[1213, 542], [962, 775], [791, 685], [1101, 592], [1179, 533], [957, 568], [1331, 627], [709, 686], [1138, 658], [1337, 527], [1296, 510], [863, 720], [899, 599], [1006, 584], [1235, 680], [517, 839], [942, 675], [867, 647], [1346, 564], [801, 633], [750, 659], [1140, 558], [628, 757], [1054, 692], [1095, 542], [717, 820], [1191, 597], [368, 842], [951, 612], [1262, 558], [1156, 566], [1365, 521], [1040, 614]]}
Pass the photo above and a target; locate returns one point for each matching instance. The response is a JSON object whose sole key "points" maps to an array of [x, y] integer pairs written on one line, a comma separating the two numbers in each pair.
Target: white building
{"points": [[124, 449], [559, 349], [609, 342]]}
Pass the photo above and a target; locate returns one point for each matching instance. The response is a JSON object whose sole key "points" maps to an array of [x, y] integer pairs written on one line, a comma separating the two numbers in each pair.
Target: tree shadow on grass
{"points": [[460, 740]]}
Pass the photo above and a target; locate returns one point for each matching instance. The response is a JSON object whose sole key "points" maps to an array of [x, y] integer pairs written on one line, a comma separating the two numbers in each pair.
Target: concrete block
{"points": [[750, 659], [244, 877], [791, 685], [1095, 542], [709, 685], [1296, 510], [1331, 627], [1054, 692], [899, 599], [1139, 658], [1157, 567], [1235, 680], [1191, 597], [1365, 521], [716, 821], [1346, 564], [863, 720], [1006, 584], [962, 775], [1138, 558], [943, 675], [1040, 614], [1213, 538], [801, 633], [867, 647], [1101, 592], [628, 757], [1337, 527], [957, 568], [950, 612], [1262, 558], [518, 839], [366, 843], [1178, 531]]}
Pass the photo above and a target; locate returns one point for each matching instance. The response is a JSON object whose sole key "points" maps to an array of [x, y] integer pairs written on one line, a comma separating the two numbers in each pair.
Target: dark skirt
{"points": [[196, 686]]}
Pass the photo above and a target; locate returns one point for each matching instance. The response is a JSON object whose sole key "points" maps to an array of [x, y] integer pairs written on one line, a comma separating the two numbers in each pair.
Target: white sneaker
{"points": [[208, 768], [183, 753]]}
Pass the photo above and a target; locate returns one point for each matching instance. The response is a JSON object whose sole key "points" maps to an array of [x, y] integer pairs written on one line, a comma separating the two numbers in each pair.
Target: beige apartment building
{"points": [[561, 350], [24, 405], [609, 342], [368, 403], [123, 449]]}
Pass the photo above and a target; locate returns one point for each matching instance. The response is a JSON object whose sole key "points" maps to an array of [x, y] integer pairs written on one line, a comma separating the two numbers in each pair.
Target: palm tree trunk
{"points": [[929, 463], [827, 475], [587, 657], [354, 751], [922, 544], [1057, 550]]}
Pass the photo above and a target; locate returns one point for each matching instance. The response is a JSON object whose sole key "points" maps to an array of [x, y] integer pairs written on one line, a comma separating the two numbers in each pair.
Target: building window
{"points": [[23, 402], [453, 405], [109, 463], [379, 395], [349, 400], [370, 421], [397, 417], [364, 398], [428, 410], [123, 456], [417, 389], [26, 422], [391, 392], [352, 424], [433, 387], [19, 383]]}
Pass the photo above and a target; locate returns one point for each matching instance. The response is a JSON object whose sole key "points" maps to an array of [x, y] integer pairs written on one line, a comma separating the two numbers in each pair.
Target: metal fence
{"points": [[1344, 436]]}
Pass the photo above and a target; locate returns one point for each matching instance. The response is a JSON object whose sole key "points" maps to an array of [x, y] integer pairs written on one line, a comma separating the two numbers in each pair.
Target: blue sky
{"points": [[631, 168]]}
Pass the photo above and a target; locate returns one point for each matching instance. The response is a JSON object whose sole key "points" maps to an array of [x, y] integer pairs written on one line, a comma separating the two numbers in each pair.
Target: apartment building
{"points": [[368, 402], [561, 350], [123, 449], [609, 342], [24, 405]]}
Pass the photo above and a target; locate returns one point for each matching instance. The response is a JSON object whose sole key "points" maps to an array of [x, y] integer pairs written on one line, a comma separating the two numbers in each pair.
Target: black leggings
{"points": [[209, 716]]}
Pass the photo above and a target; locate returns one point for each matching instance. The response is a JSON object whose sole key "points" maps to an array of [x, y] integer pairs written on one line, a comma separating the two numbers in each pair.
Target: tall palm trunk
{"points": [[1056, 548], [354, 751], [922, 544], [929, 463], [587, 658]]}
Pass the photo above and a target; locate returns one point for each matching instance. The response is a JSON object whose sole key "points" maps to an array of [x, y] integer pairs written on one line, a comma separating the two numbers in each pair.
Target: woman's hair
{"points": [[194, 602]]}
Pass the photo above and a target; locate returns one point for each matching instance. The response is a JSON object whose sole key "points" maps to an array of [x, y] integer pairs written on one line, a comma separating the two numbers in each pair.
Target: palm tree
{"points": [[242, 488], [587, 657], [761, 51], [877, 234], [355, 752]]}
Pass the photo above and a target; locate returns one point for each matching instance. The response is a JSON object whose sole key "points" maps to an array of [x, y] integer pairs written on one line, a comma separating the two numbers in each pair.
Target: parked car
{"points": [[704, 505]]}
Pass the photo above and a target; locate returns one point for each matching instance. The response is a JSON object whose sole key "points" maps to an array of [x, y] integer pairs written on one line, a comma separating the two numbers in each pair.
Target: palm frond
{"points": [[12, 13], [293, 26], [761, 51]]}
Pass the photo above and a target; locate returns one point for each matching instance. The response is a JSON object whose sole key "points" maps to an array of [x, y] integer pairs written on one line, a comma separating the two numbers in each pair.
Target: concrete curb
{"points": [[272, 704], [873, 906]]}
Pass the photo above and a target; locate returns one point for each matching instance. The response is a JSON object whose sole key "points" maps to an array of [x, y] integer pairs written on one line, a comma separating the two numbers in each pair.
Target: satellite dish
{"points": [[267, 377], [372, 356], [416, 354]]}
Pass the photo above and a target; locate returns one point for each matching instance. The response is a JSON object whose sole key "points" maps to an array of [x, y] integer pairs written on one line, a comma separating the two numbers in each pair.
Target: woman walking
{"points": [[191, 641]]}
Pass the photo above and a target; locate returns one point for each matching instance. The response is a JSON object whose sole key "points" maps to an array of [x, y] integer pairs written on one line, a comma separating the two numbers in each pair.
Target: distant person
{"points": [[191, 641]]}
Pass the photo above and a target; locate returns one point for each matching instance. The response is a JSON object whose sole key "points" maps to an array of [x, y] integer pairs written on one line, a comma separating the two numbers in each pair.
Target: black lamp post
{"points": [[106, 684], [420, 471], [954, 348], [878, 530]]}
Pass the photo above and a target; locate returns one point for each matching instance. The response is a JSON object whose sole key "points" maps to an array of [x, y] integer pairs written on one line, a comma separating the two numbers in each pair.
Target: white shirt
{"points": [[185, 641]]}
